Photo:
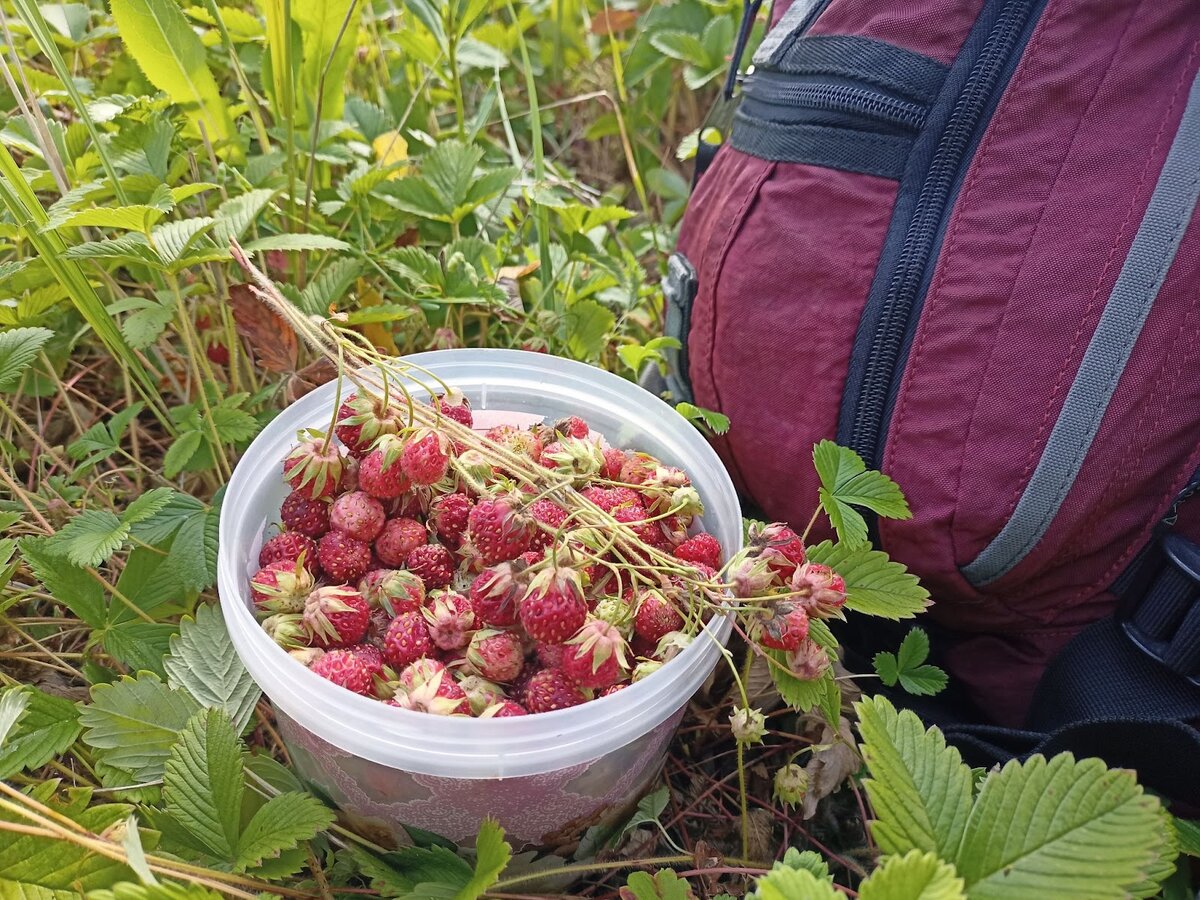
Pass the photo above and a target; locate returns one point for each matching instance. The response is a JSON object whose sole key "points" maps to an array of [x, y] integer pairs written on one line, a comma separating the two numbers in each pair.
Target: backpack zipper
{"points": [[781, 90], [886, 331]]}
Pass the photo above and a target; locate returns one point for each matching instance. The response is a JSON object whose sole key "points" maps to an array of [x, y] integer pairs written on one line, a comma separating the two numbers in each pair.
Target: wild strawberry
{"points": [[448, 517], [496, 655], [549, 690], [595, 657], [614, 609], [454, 406], [637, 518], [518, 440], [638, 468], [700, 548], [480, 692], [809, 661], [496, 531], [348, 669], [306, 656], [308, 517], [605, 498], [645, 669], [819, 590], [282, 586], [407, 639], [400, 537], [572, 426], [613, 688], [336, 616], [433, 563], [291, 547], [614, 461], [750, 574], [371, 654], [474, 472], [503, 710], [363, 419], [779, 546], [451, 620], [671, 644], [357, 514], [350, 474], [393, 590], [553, 608], [342, 557], [549, 656], [550, 516], [380, 473], [217, 353], [426, 457], [287, 630], [314, 467], [426, 686], [579, 460], [495, 593], [785, 627], [655, 616]]}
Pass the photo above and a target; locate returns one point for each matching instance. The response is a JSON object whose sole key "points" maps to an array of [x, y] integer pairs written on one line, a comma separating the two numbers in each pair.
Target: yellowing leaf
{"points": [[391, 148], [378, 333]]}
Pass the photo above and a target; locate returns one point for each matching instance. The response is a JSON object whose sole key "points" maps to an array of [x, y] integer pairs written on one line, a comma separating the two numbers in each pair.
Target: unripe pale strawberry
{"points": [[336, 616], [282, 586], [363, 419], [646, 668], [433, 563], [549, 690], [503, 710], [357, 514], [638, 468], [549, 516], [306, 656], [790, 785], [809, 661], [553, 608], [342, 557], [579, 460], [481, 693], [451, 620], [671, 645], [393, 590], [426, 686], [426, 457], [345, 668], [289, 547], [518, 440], [655, 616], [497, 531], [595, 657], [495, 593], [448, 516], [749, 726], [314, 468], [287, 630], [496, 655], [819, 590], [308, 517], [615, 610], [750, 574], [613, 688], [407, 639], [700, 548], [380, 473], [784, 627], [400, 537]]}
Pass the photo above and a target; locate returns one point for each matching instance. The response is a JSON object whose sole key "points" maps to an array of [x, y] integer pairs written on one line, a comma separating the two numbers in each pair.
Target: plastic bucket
{"points": [[547, 777]]}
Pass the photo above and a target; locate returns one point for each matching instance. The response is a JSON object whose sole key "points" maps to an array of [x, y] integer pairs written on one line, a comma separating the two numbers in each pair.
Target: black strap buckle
{"points": [[1162, 618]]}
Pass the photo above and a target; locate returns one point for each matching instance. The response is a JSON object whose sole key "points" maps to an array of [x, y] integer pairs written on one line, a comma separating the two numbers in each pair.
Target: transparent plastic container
{"points": [[547, 777]]}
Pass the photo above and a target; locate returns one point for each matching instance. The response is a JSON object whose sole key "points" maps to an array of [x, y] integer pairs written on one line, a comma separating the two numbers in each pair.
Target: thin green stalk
{"points": [[252, 99], [456, 88], [288, 102]]}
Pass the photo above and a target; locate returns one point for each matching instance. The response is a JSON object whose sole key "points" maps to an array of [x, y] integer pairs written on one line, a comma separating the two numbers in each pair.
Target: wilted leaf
{"points": [[271, 339]]}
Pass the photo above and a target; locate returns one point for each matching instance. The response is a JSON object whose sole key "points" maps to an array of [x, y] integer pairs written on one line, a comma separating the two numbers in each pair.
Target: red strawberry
{"points": [[400, 537], [497, 531], [819, 590], [785, 628], [549, 656], [393, 590], [426, 686], [433, 563], [495, 593], [549, 690], [655, 616], [700, 548], [426, 457], [572, 426], [614, 460], [336, 616], [548, 514], [451, 620], [354, 671], [595, 657], [636, 518], [309, 517], [448, 516], [808, 661], [553, 608], [372, 654], [529, 557], [380, 473], [314, 468], [518, 440], [779, 545], [638, 468], [342, 557], [605, 498], [496, 655], [454, 406], [217, 353], [503, 710], [407, 639], [291, 547], [363, 419], [358, 514], [282, 586]]}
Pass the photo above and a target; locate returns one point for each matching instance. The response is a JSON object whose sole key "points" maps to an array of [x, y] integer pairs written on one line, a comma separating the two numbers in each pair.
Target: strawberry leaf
{"points": [[906, 666], [134, 723], [914, 876], [203, 662], [278, 825], [875, 585], [846, 482]]}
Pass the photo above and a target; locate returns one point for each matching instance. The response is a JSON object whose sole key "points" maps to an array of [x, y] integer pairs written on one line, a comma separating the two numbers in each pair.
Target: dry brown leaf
{"points": [[760, 686], [610, 21], [311, 376], [517, 272], [828, 769], [271, 339]]}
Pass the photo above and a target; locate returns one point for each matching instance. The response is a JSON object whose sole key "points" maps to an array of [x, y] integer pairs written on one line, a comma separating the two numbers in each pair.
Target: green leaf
{"points": [[147, 505], [785, 883], [18, 349], [914, 876], [662, 885], [91, 537], [203, 663], [180, 453], [679, 45], [128, 249], [588, 325], [203, 782], [845, 483], [905, 666], [809, 860], [716, 421], [296, 242], [139, 645], [1188, 833], [398, 873], [1060, 828], [164, 890], [280, 824], [235, 216], [170, 53], [135, 853], [48, 726], [492, 854], [147, 320], [137, 218], [134, 723], [320, 23], [919, 788], [329, 286], [69, 584], [173, 239], [798, 693], [875, 585]]}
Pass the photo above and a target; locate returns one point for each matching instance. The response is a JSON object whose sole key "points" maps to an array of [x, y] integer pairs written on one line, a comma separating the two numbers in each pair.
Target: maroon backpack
{"points": [[958, 237]]}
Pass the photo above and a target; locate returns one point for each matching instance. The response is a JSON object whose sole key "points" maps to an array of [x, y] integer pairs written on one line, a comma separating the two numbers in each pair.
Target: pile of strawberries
{"points": [[424, 569]]}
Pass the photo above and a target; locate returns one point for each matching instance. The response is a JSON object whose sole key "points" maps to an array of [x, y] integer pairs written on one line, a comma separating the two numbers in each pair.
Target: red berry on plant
{"points": [[549, 516], [785, 628], [342, 557], [779, 546], [400, 537], [426, 686], [217, 353], [819, 590], [614, 461], [454, 406], [357, 514], [309, 517], [433, 563]]}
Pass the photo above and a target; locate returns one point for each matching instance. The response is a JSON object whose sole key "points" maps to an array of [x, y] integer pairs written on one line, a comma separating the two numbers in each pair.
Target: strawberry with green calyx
{"points": [[473, 472], [503, 710], [656, 616], [579, 460], [595, 657], [282, 587], [450, 618], [779, 545], [551, 689], [426, 456], [614, 461], [481, 693], [553, 607], [400, 537], [497, 531], [380, 473], [750, 574], [496, 591], [434, 564], [700, 548], [426, 686], [314, 466], [287, 630], [308, 517], [790, 785], [393, 590], [749, 726], [671, 644], [357, 514], [448, 514], [638, 468], [659, 489], [616, 610], [819, 590], [784, 626], [454, 405], [496, 655], [572, 427], [348, 669], [642, 523], [362, 419], [336, 616], [407, 639], [645, 668]]}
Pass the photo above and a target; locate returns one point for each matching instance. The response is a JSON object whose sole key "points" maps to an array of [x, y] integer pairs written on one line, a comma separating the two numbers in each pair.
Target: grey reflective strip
{"points": [[1133, 295], [792, 19]]}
